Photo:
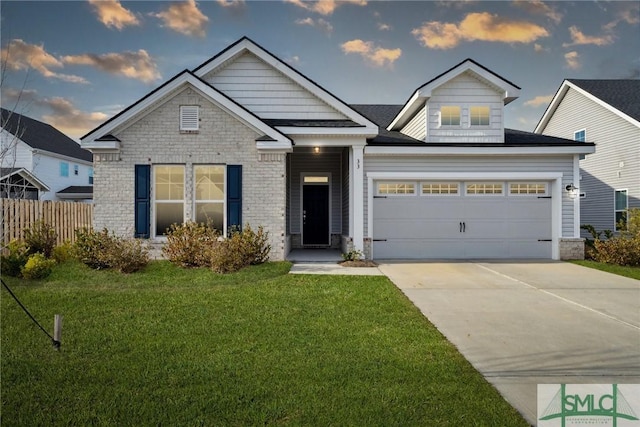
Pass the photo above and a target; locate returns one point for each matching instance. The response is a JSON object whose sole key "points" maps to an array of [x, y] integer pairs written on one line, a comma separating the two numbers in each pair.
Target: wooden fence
{"points": [[65, 217]]}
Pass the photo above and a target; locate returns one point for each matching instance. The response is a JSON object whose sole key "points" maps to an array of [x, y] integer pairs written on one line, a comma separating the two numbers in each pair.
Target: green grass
{"points": [[633, 272], [177, 347]]}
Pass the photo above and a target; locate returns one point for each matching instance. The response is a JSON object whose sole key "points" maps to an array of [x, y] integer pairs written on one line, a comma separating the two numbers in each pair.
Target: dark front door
{"points": [[315, 214]]}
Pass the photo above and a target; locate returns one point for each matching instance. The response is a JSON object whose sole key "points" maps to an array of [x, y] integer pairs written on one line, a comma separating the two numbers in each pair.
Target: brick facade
{"points": [[155, 138]]}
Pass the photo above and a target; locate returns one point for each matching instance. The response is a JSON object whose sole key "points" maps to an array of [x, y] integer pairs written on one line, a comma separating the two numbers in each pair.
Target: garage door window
{"points": [[527, 188], [439, 188], [484, 188], [396, 188]]}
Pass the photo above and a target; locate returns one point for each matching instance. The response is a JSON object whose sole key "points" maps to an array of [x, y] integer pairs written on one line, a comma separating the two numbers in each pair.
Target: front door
{"points": [[315, 214]]}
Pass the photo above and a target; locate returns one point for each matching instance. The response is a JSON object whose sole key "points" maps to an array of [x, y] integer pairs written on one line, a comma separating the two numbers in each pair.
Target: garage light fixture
{"points": [[571, 187]]}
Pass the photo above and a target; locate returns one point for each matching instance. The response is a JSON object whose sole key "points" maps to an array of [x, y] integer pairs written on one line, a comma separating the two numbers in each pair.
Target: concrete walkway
{"points": [[333, 268], [529, 323]]}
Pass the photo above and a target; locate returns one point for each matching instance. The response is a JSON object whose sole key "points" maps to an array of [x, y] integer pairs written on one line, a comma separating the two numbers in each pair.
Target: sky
{"points": [[74, 64]]}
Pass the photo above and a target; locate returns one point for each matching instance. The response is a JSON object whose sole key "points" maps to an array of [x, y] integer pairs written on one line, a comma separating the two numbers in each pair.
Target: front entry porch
{"points": [[315, 255]]}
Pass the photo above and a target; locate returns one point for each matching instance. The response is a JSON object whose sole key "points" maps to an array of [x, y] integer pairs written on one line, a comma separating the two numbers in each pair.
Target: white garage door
{"points": [[461, 220]]}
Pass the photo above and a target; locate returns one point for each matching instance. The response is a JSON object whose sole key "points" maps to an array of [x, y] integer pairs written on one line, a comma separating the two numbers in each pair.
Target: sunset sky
{"points": [[77, 63]]}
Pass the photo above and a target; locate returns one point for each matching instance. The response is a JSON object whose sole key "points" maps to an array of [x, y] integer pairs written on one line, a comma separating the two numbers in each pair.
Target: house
{"points": [[41, 163], [606, 112], [245, 138]]}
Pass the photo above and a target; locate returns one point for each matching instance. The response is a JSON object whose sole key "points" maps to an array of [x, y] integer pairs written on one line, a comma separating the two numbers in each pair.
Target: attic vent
{"points": [[189, 118]]}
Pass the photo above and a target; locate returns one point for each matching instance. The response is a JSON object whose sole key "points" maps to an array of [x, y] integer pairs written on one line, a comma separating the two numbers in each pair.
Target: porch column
{"points": [[356, 171]]}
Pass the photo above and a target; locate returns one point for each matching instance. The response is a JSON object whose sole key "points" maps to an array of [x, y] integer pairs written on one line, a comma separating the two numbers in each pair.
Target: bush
{"points": [[63, 253], [12, 263], [190, 244], [241, 249], [40, 237], [37, 267], [618, 250], [101, 250], [127, 255], [352, 255]]}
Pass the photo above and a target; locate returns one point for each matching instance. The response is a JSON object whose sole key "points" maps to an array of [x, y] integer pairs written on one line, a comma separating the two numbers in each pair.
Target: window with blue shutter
{"points": [[142, 201], [234, 196]]}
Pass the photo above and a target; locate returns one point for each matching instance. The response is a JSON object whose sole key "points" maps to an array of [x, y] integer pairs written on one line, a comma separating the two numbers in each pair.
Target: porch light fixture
{"points": [[572, 190], [571, 187], [316, 150]]}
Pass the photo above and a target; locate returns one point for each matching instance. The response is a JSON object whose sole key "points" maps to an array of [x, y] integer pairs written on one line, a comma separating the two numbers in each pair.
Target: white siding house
{"points": [[607, 113], [59, 164], [437, 177]]}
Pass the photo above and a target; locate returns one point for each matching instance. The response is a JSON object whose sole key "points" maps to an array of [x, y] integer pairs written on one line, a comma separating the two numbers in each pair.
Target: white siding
{"points": [[417, 126], [47, 169], [267, 92], [15, 153], [563, 164], [466, 91], [615, 164], [345, 191]]}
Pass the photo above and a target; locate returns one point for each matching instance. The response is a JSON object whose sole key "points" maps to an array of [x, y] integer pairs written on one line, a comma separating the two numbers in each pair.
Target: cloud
{"points": [[630, 14], [136, 65], [537, 47], [572, 60], [19, 55], [538, 7], [184, 18], [376, 55], [112, 14], [239, 4], [383, 26], [324, 7], [320, 23], [579, 38], [539, 101], [294, 60], [68, 119], [477, 26]]}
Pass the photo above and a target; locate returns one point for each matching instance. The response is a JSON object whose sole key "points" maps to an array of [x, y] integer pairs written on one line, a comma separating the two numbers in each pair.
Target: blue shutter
{"points": [[234, 196], [143, 201]]}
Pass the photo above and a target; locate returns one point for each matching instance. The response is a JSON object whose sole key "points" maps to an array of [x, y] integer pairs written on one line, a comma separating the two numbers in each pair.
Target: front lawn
{"points": [[633, 272], [177, 347]]}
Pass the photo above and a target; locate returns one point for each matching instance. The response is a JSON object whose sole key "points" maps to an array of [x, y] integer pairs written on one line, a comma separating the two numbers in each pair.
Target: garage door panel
{"points": [[415, 207], [531, 229], [421, 228], [418, 249]]}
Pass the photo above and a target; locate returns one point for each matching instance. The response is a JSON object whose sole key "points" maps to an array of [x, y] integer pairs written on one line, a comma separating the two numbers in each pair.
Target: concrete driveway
{"points": [[526, 323]]}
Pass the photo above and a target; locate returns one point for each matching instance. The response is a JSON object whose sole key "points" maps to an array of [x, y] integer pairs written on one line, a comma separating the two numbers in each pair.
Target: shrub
{"points": [[190, 244], [37, 267], [40, 237], [618, 250], [63, 253], [91, 247], [12, 263], [127, 255], [241, 249], [352, 255]]}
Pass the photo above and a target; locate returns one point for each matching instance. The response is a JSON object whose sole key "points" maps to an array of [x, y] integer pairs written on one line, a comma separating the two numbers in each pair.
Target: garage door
{"points": [[461, 220]]}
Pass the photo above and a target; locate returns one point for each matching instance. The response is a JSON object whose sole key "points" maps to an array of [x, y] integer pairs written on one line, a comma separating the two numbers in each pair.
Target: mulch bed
{"points": [[358, 263]]}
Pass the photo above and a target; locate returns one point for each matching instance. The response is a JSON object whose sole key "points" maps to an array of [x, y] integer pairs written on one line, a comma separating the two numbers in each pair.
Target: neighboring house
{"points": [[245, 138], [40, 162], [607, 113]]}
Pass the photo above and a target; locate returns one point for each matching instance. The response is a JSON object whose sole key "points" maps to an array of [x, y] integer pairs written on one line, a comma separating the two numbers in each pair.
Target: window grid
{"points": [[169, 192], [209, 195], [482, 188], [621, 204], [396, 188], [580, 136], [439, 188], [527, 188], [450, 115], [479, 116]]}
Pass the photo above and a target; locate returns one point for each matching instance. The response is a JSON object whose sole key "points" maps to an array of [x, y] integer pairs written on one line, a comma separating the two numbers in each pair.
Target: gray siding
{"points": [[563, 164], [316, 163], [417, 126], [615, 164]]}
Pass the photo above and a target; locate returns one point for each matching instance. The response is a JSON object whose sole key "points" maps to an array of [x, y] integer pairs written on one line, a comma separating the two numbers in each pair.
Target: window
{"points": [[169, 196], [90, 176], [484, 188], [450, 116], [315, 179], [396, 188], [439, 188], [580, 136], [76, 170], [520, 188], [64, 169], [479, 116], [189, 118], [621, 206], [209, 195]]}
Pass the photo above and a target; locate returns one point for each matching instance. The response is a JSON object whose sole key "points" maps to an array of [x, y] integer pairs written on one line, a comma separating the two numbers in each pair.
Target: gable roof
{"points": [[42, 136], [622, 97], [415, 101], [245, 44], [101, 136], [7, 173]]}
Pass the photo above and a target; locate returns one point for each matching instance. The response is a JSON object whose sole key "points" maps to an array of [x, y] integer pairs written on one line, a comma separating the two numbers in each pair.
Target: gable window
{"points": [[580, 136], [90, 176], [64, 169], [76, 170], [439, 188], [396, 188], [450, 115], [209, 195], [189, 118], [482, 188], [620, 209], [479, 115], [168, 183]]}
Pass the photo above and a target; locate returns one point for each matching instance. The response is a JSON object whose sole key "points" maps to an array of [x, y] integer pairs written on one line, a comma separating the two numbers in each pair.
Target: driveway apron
{"points": [[526, 323]]}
